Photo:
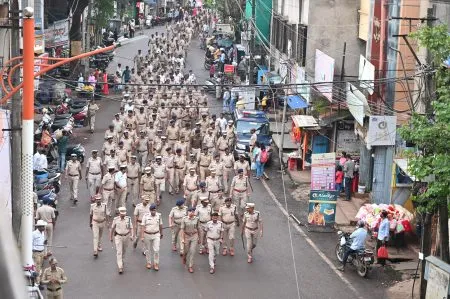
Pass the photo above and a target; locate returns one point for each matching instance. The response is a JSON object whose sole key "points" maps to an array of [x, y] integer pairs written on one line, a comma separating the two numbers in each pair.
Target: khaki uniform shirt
{"points": [[98, 212], [218, 166], [95, 165], [190, 182], [118, 125], [151, 223], [205, 160], [177, 214], [191, 164], [189, 225], [58, 275], [113, 134], [222, 144], [73, 168], [140, 210], [127, 143], [203, 213], [142, 144], [199, 194], [179, 161], [228, 214], [228, 161], [111, 162], [108, 181], [159, 171], [214, 230], [122, 154], [133, 170], [213, 184], [172, 133], [148, 182], [46, 213], [122, 226], [241, 165], [183, 146], [186, 133], [209, 141], [93, 108], [240, 184], [252, 220], [141, 119], [107, 147]]}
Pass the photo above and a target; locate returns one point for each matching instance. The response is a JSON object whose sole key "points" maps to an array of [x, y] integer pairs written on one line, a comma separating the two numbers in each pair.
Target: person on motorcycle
{"points": [[358, 238]]}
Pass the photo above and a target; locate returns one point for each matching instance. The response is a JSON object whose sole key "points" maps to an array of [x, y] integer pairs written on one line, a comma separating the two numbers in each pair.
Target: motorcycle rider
{"points": [[358, 237]]}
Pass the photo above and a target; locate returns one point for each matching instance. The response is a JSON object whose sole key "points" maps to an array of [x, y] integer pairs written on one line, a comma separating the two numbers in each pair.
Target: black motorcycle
{"points": [[362, 260]]}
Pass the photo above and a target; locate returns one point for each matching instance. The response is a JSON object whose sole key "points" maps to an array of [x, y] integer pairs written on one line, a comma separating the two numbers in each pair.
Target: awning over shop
{"points": [[296, 102], [304, 121]]}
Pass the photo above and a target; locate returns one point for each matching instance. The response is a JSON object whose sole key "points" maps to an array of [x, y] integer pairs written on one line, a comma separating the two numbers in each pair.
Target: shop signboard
{"points": [[323, 168], [382, 130], [57, 34], [322, 207], [228, 68]]}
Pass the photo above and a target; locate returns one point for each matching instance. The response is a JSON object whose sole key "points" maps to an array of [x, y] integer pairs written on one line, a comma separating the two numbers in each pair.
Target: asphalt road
{"points": [[272, 275]]}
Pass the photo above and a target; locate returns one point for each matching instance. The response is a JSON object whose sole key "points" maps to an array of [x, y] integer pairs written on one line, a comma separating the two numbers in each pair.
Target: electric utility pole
{"points": [[252, 44], [16, 127]]}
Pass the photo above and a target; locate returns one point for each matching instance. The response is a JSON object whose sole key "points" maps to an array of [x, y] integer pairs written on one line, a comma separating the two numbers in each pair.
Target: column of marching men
{"points": [[165, 140]]}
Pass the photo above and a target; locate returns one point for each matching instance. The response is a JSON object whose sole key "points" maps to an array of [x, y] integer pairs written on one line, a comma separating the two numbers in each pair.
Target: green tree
{"points": [[430, 132]]}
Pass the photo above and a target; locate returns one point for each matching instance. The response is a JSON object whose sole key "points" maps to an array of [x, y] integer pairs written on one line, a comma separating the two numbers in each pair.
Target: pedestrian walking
{"points": [[190, 185], [229, 216], [214, 236], [93, 173], [159, 171], [214, 187], [54, 277], [349, 169], [107, 191], [203, 212], [97, 222], [47, 213], [189, 235], [121, 233], [151, 233], [147, 185], [73, 172], [133, 176], [252, 227], [120, 183], [92, 111], [38, 247], [62, 143], [139, 211], [240, 191], [176, 214]]}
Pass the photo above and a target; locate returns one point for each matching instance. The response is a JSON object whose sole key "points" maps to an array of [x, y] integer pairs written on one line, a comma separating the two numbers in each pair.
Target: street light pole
{"points": [[27, 136]]}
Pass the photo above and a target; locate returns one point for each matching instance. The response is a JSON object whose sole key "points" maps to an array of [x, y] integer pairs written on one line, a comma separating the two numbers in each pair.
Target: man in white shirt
{"points": [[39, 160], [358, 238], [120, 183], [221, 123], [38, 247]]}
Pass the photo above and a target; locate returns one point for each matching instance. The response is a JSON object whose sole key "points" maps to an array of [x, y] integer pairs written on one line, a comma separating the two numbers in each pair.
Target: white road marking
{"points": [[310, 242]]}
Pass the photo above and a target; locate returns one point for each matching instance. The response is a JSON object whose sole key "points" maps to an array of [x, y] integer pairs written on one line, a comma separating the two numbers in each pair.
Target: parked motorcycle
{"points": [[208, 62], [362, 260], [52, 181], [77, 149]]}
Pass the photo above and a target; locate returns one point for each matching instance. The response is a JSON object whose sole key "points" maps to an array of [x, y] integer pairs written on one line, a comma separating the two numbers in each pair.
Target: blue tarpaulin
{"points": [[296, 102]]}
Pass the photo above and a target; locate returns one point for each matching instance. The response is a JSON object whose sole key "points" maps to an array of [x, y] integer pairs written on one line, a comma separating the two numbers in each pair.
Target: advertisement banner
{"points": [[382, 130], [324, 72], [57, 34], [322, 207], [323, 168]]}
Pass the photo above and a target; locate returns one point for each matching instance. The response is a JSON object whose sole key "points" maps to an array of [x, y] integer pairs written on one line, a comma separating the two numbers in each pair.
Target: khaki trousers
{"points": [[150, 194], [133, 190], [203, 173], [142, 158], [121, 197], [202, 237], [251, 238], [190, 247], [92, 122], [160, 187], [54, 294], [196, 152], [121, 246], [188, 196], [216, 201], [175, 234], [151, 247], [73, 186], [97, 232], [240, 200], [227, 176], [179, 177], [213, 248], [49, 233], [109, 199], [94, 181], [38, 258], [228, 235], [171, 179]]}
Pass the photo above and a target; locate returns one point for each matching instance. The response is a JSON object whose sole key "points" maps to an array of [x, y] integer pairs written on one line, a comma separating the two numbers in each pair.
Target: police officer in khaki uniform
{"points": [[147, 186], [111, 161], [151, 233], [190, 185], [54, 277], [73, 172], [139, 211], [192, 163], [141, 118], [176, 214], [120, 184], [142, 148], [214, 237], [230, 134], [222, 144], [252, 226], [97, 221], [204, 161], [93, 173], [209, 141], [133, 174], [107, 190], [108, 145], [229, 216], [214, 187], [47, 214], [217, 164], [203, 212], [242, 164], [240, 190], [168, 160], [196, 143], [122, 154], [159, 171], [173, 134], [189, 234], [180, 169], [122, 231], [228, 173]]}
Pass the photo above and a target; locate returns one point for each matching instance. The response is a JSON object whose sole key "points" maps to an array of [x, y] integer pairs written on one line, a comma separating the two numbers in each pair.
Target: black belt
{"points": [[228, 222], [149, 190], [214, 191], [108, 189], [97, 173], [142, 151], [132, 178], [122, 234], [55, 290], [38, 250], [151, 233]]}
